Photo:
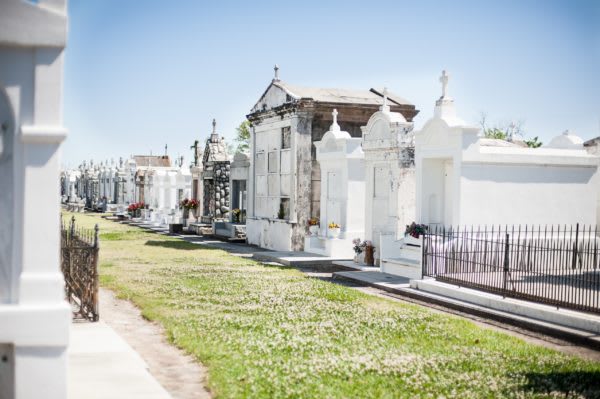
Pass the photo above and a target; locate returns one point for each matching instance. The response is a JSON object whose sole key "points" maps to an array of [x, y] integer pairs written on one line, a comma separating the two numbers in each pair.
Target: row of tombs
{"points": [[350, 164]]}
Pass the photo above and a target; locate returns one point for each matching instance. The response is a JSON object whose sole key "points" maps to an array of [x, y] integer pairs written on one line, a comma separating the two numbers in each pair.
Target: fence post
{"points": [[72, 232], [575, 249], [505, 274], [96, 242], [95, 274]]}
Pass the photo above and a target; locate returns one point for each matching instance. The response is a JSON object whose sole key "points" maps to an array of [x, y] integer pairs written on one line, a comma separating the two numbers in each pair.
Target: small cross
{"points": [[276, 69], [214, 126], [444, 81], [335, 114], [385, 94]]}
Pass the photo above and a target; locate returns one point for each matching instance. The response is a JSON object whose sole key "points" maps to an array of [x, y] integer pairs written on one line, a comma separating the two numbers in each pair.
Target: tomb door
{"points": [[333, 211], [381, 194]]}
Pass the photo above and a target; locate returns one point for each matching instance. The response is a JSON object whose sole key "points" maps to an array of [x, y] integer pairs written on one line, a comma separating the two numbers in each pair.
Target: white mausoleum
{"points": [[466, 179], [341, 160], [34, 316]]}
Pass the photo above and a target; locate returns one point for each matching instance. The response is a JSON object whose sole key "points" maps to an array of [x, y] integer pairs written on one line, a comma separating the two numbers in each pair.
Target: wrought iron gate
{"points": [[79, 265]]}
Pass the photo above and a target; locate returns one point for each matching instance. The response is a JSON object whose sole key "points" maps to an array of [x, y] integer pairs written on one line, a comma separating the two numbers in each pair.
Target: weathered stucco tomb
{"points": [[284, 188], [34, 317], [388, 144]]}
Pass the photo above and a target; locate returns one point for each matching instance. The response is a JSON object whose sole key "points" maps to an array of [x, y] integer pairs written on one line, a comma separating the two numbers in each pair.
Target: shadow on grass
{"points": [[584, 384], [178, 245]]}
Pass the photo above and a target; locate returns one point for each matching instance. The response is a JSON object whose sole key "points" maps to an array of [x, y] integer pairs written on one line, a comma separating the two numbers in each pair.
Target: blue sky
{"points": [[142, 74]]}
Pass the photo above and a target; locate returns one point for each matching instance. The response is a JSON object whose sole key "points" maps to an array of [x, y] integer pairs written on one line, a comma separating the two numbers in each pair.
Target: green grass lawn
{"points": [[273, 332]]}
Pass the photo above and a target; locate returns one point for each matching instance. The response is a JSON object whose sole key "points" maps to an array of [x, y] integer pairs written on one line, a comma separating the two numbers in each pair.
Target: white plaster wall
{"points": [[270, 234], [527, 194]]}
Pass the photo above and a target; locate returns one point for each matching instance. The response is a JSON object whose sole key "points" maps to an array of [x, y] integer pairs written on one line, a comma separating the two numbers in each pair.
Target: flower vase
{"points": [[370, 255], [314, 230], [410, 240], [334, 233]]}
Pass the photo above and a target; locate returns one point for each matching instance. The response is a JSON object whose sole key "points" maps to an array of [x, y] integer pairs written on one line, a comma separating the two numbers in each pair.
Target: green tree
{"points": [[242, 137], [533, 143], [506, 131], [495, 133]]}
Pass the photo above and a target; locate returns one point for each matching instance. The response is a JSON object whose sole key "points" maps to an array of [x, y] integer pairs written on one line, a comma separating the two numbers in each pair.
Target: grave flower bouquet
{"points": [[313, 221], [189, 203], [415, 230], [135, 206], [360, 246], [333, 225]]}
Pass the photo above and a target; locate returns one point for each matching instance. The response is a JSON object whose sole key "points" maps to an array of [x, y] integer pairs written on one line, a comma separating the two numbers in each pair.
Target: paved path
{"points": [[180, 374], [103, 366]]}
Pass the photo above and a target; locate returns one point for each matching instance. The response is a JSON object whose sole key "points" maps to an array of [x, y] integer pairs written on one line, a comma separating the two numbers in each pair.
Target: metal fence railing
{"points": [[79, 265], [555, 265]]}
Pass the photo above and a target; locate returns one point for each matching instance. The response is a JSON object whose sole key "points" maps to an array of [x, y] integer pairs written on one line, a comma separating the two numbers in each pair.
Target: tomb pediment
{"points": [[436, 133], [275, 96], [384, 126]]}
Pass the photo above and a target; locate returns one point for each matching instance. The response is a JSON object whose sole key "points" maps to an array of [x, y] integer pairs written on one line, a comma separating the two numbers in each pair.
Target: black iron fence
{"points": [[555, 265], [79, 265]]}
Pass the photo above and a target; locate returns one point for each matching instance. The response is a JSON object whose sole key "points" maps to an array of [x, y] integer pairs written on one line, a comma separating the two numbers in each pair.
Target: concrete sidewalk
{"points": [[103, 366]]}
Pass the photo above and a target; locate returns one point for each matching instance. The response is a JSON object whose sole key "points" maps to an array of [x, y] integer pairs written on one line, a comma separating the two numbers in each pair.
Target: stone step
{"points": [[403, 261]]}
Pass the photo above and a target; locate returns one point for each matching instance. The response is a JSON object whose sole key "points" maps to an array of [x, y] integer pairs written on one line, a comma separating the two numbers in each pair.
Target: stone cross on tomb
{"points": [[444, 80], [334, 125], [196, 155], [214, 137], [385, 94], [166, 147], [276, 69]]}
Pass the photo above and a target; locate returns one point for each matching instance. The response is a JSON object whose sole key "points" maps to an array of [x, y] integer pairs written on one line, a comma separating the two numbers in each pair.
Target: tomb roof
{"points": [[333, 95], [152, 160], [567, 140]]}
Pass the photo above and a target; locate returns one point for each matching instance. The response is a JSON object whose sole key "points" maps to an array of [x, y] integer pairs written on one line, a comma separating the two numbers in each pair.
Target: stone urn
{"points": [[359, 258], [313, 230], [334, 233], [410, 240], [370, 255]]}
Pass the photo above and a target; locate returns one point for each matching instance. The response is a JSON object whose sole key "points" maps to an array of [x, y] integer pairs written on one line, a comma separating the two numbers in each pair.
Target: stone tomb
{"points": [[197, 183], [235, 227], [465, 179], [341, 161], [215, 175], [388, 144], [284, 187]]}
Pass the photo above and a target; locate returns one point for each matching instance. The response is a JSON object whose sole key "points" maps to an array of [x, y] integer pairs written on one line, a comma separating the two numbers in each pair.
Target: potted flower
{"points": [[135, 209], [235, 215], [188, 204], [413, 233], [313, 226], [365, 247], [334, 230]]}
